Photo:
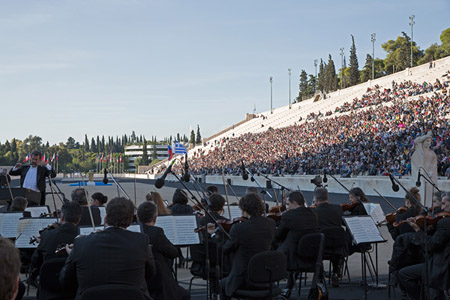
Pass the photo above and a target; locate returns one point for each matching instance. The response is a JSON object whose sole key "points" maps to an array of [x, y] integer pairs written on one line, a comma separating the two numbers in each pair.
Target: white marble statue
{"points": [[425, 160]]}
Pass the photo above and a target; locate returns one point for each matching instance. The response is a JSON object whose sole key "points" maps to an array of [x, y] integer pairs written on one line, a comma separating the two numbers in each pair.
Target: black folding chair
{"points": [[49, 286], [264, 269], [335, 248], [112, 292]]}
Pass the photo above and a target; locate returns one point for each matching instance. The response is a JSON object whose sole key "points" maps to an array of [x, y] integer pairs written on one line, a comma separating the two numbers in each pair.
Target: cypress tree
{"points": [[303, 86], [198, 140], [353, 67]]}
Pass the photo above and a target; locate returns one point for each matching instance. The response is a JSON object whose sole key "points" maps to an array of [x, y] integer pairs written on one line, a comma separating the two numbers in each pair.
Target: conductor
{"points": [[32, 178]]}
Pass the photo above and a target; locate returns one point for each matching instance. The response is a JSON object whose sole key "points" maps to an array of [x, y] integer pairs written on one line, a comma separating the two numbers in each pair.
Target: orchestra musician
{"points": [[357, 195], [247, 239], [179, 203], [98, 199], [114, 255], [215, 208], [413, 209], [164, 252], [50, 240], [212, 189], [297, 221], [9, 271], [156, 198], [79, 195], [330, 215], [19, 204], [439, 243], [32, 178], [437, 202], [5, 179]]}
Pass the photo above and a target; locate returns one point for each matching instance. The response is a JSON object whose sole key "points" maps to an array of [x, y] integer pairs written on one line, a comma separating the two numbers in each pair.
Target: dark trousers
{"points": [[411, 276]]}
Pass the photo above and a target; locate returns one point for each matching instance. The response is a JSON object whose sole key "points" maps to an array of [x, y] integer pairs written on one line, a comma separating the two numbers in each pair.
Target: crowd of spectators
{"points": [[373, 135]]}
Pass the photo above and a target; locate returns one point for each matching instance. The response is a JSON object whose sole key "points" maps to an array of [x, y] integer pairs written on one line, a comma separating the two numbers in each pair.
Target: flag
{"points": [[27, 158], [179, 148], [43, 158], [56, 158], [169, 149]]}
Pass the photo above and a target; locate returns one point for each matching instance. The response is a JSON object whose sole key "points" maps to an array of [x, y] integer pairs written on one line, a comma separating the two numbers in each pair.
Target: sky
{"points": [[162, 67]]}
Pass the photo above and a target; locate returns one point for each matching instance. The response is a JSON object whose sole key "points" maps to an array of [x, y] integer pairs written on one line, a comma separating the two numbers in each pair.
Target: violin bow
{"points": [[226, 195]]}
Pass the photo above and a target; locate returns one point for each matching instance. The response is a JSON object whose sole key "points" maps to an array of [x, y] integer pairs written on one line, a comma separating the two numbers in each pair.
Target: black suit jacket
{"points": [[86, 218], [114, 255], [403, 227], [50, 240], [164, 251], [41, 174], [294, 224], [247, 239], [330, 215], [439, 244]]}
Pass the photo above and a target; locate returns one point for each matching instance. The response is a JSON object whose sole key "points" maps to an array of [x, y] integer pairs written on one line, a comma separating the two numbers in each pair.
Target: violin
{"points": [[37, 239], [421, 220], [390, 217], [226, 224], [277, 209], [349, 206]]}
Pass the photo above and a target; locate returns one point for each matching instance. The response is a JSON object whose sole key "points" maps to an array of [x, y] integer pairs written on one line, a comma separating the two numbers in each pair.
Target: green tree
{"points": [[366, 73], [321, 76], [311, 88], [198, 140], [192, 139], [70, 144], [353, 67], [331, 79], [154, 153], [93, 146], [445, 39], [398, 53], [86, 143], [303, 86], [432, 53], [144, 160]]}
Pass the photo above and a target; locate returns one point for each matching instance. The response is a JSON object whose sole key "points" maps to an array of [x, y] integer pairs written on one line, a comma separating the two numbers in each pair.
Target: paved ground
{"points": [[345, 291]]}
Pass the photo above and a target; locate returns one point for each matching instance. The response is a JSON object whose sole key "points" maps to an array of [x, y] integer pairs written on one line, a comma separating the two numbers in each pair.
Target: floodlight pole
{"points": [[342, 66], [372, 38], [412, 25], [289, 73], [271, 109]]}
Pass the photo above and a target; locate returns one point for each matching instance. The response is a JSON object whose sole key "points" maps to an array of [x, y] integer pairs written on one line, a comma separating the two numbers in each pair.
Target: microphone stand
{"points": [[425, 241], [264, 192], [282, 189], [428, 178], [64, 199], [53, 197], [119, 186], [207, 212], [87, 200], [277, 183]]}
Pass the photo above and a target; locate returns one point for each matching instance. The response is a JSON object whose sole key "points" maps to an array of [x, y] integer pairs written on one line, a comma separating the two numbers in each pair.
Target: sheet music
{"points": [[86, 230], [102, 213], [185, 226], [363, 229], [29, 227], [9, 223], [179, 229], [375, 211], [36, 211], [235, 212]]}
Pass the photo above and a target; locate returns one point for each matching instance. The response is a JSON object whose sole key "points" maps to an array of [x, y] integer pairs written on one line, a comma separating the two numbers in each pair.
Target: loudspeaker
{"points": [[229, 181], [268, 184]]}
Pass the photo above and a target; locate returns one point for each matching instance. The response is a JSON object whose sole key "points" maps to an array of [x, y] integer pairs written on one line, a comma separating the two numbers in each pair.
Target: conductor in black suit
{"points": [[247, 239], [32, 178], [439, 244], [165, 286], [297, 221], [112, 256]]}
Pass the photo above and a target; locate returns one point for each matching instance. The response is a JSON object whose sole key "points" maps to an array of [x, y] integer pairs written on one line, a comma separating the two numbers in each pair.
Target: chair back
{"points": [[334, 237], [112, 292], [310, 249], [49, 274], [49, 285], [267, 267]]}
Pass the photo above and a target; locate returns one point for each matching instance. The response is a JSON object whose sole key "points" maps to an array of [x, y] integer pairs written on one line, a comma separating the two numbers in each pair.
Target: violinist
{"points": [[247, 239], [50, 240], [297, 221], [216, 209], [9, 272], [164, 252], [112, 256], [357, 195], [437, 202], [79, 195], [411, 277], [156, 198], [98, 199], [330, 215], [20, 204], [212, 189], [413, 209], [180, 203]]}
